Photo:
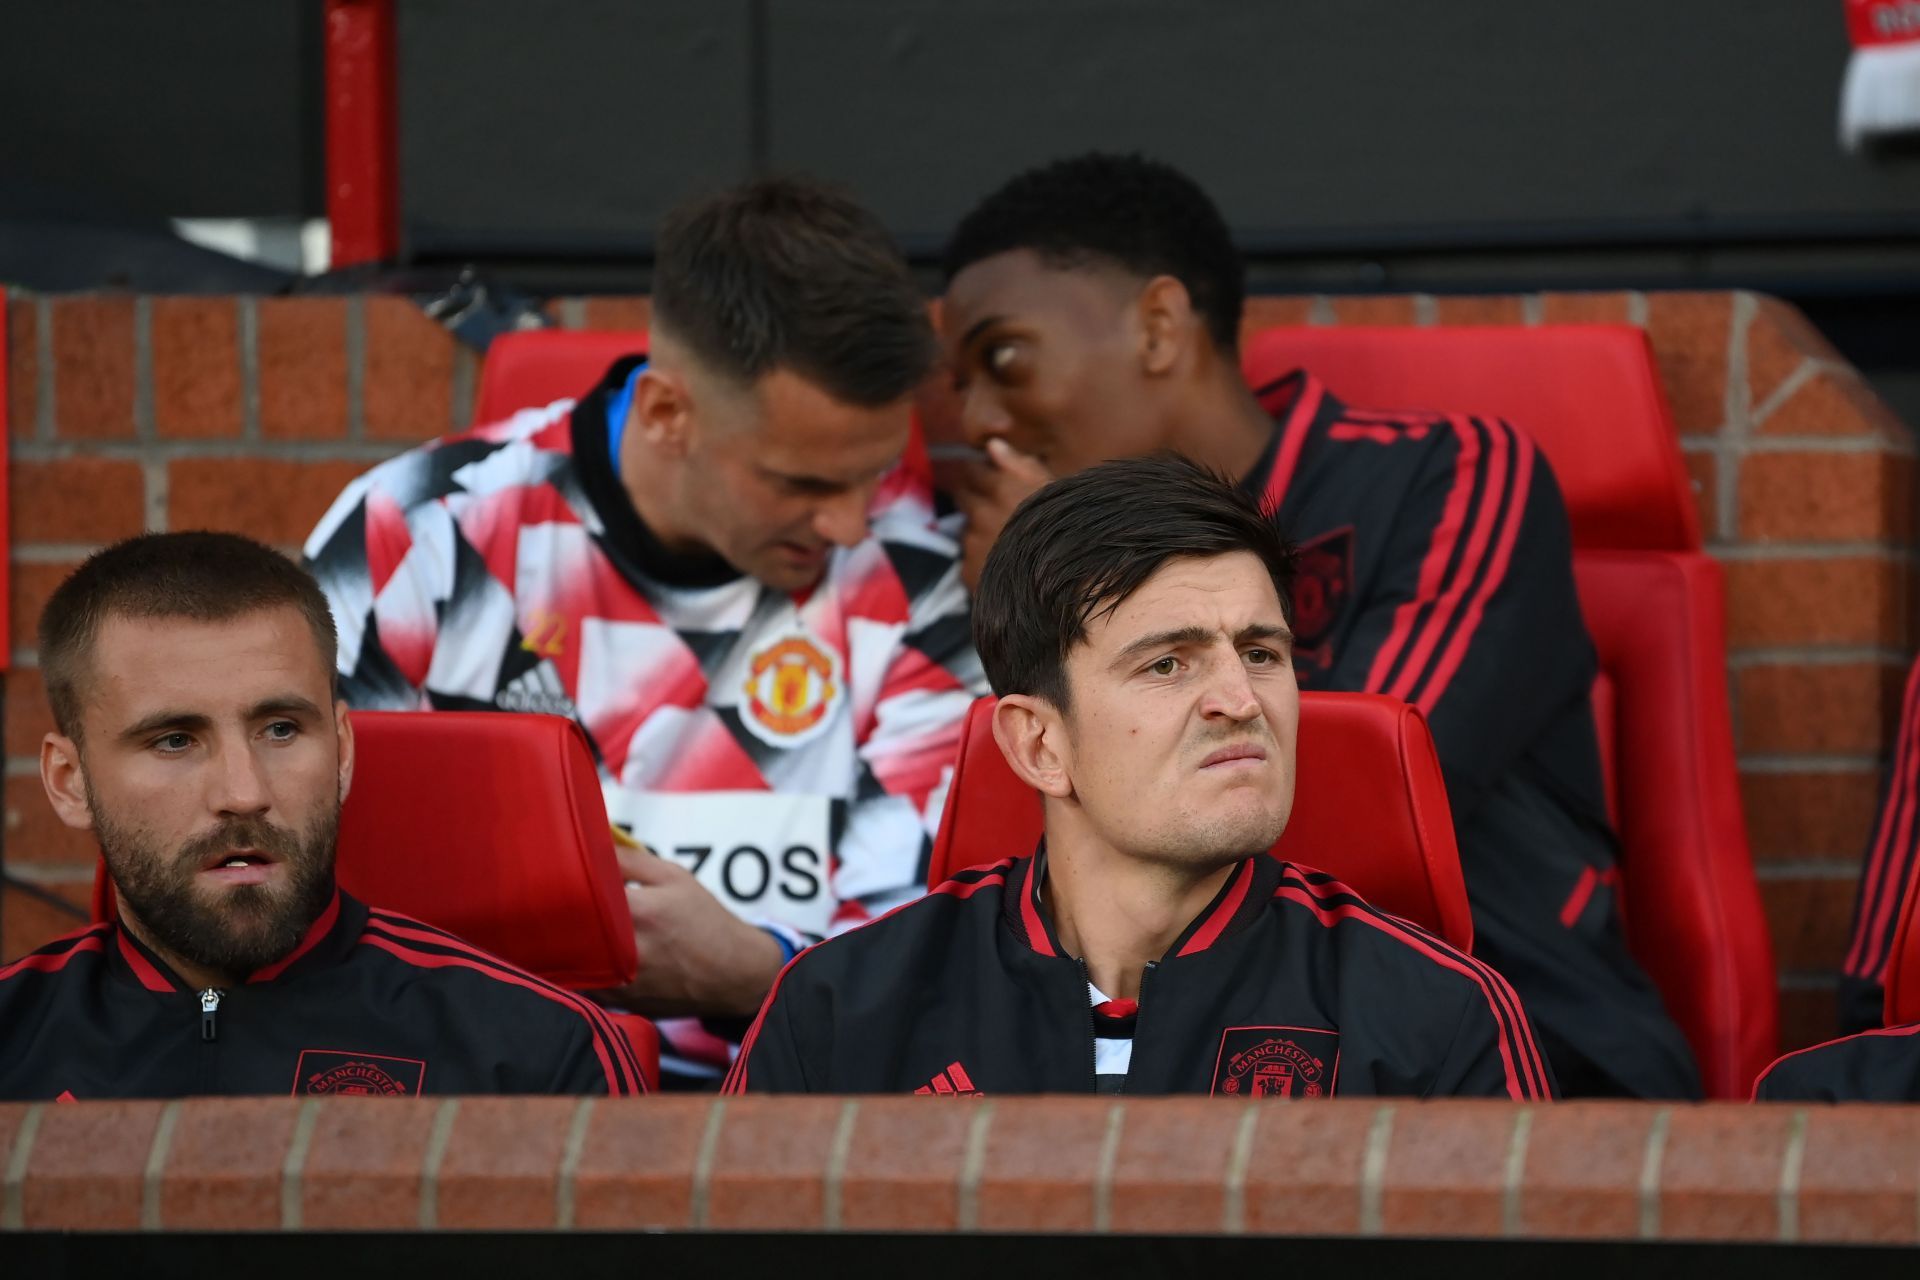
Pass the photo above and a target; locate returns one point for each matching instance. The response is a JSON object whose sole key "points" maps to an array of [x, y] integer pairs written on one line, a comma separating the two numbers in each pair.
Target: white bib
{"points": [[762, 853]]}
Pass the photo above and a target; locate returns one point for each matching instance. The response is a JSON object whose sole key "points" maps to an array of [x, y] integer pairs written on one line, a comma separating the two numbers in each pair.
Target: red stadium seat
{"points": [[1588, 394], [1369, 807], [489, 825]]}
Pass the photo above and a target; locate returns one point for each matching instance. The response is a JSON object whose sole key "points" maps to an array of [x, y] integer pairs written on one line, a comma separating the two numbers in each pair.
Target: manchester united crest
{"points": [[1276, 1062], [793, 686], [1322, 582], [365, 1075]]}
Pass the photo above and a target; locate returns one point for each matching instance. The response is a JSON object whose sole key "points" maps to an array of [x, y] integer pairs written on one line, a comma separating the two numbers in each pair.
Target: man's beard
{"points": [[244, 927]]}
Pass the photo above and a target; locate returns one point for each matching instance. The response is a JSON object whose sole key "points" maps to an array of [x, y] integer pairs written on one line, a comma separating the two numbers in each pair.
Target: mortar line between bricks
{"points": [[1790, 1178], [1728, 552], [1814, 656], [973, 1167], [466, 364], [1637, 308], [1808, 979], [1774, 764], [1737, 395], [293, 1169], [22, 767], [1806, 868], [1650, 1174], [1510, 1220], [1757, 445], [217, 450], [830, 1200], [1103, 1171], [1373, 1172], [1320, 311], [155, 487], [703, 1163], [248, 320], [1801, 375], [1533, 309], [42, 873], [564, 1199], [53, 552], [437, 1140], [1233, 1216], [143, 428], [573, 313], [1426, 311], [13, 1213], [356, 354], [43, 376], [150, 1184]]}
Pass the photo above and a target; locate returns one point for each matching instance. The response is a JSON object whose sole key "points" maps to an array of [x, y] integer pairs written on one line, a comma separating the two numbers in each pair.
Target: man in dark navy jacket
{"points": [[199, 739], [1093, 311], [1133, 621]]}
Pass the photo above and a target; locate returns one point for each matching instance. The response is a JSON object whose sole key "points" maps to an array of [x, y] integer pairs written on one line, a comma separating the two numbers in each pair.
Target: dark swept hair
{"points": [[793, 273], [1078, 548], [1124, 210], [208, 577]]}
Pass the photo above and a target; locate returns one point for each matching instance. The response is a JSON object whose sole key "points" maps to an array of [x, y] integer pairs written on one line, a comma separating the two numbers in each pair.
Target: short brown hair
{"points": [[208, 577]]}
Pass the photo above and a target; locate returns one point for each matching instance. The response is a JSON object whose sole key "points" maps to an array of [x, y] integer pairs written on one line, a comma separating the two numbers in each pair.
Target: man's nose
{"points": [[1229, 693], [982, 416], [239, 782], [842, 519]]}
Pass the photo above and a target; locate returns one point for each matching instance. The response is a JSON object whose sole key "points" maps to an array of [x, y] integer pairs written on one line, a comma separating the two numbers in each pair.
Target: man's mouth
{"points": [[239, 866], [1244, 752]]}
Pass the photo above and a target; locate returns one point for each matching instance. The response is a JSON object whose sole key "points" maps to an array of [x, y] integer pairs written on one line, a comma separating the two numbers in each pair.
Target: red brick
{"points": [[1825, 497], [636, 1170], [223, 1169], [1834, 403], [1859, 1180], [1274, 313], [76, 500], [770, 1164], [1809, 918], [1703, 476], [23, 367], [28, 588], [1304, 1177], [273, 500], [629, 314], [1810, 815], [28, 923], [364, 1163], [1839, 600], [903, 1166], [1376, 309], [1500, 308], [1720, 1173], [88, 1168], [407, 389], [1689, 332], [303, 368], [1583, 308], [196, 368], [34, 835], [93, 367], [1779, 340], [1447, 1169], [1581, 1179], [28, 717], [1042, 1164], [502, 1166], [1844, 708], [1808, 1016], [1170, 1170]]}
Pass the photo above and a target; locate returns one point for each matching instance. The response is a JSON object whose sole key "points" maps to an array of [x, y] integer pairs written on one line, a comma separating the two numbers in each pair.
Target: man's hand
{"points": [[987, 493], [696, 957]]}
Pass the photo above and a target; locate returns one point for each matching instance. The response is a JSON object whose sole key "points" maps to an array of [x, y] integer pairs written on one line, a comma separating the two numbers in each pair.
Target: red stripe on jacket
{"points": [[1880, 894]]}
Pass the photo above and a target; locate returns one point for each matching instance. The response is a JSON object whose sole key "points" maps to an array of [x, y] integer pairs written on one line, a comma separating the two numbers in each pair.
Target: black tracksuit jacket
{"points": [[1287, 984], [1873, 1066], [1436, 565], [370, 1002]]}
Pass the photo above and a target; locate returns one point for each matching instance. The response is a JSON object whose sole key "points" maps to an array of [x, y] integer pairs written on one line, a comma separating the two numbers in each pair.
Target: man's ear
{"points": [[662, 412], [64, 777], [343, 728], [1032, 736], [1165, 313]]}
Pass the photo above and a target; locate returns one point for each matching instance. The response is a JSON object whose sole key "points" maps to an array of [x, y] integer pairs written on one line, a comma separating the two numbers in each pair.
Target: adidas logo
{"points": [[953, 1081], [538, 690]]}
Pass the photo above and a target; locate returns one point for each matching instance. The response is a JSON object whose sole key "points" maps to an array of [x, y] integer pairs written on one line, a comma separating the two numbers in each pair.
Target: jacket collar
{"points": [[1295, 401], [330, 936], [1238, 904]]}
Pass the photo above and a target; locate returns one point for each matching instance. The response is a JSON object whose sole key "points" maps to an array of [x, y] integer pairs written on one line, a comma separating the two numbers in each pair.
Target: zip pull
{"points": [[209, 1007]]}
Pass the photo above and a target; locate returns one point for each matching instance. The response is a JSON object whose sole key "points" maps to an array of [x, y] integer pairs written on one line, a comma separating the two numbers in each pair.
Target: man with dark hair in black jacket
{"points": [[1134, 621], [1093, 311], [200, 739]]}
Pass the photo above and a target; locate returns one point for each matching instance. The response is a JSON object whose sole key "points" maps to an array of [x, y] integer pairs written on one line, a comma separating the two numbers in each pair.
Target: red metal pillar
{"points": [[363, 139]]}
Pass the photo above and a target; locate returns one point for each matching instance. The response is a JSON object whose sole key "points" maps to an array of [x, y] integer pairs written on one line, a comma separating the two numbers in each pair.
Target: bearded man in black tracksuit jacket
{"points": [[191, 677], [1093, 311], [1133, 621]]}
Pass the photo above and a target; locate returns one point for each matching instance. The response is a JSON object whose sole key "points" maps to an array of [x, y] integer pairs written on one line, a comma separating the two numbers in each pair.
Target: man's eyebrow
{"points": [[1199, 635], [166, 720], [977, 328], [290, 704]]}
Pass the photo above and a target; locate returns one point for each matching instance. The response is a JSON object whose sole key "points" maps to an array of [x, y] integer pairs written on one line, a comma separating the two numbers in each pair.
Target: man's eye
{"points": [[1165, 667], [1002, 360], [173, 742], [282, 730], [1261, 657]]}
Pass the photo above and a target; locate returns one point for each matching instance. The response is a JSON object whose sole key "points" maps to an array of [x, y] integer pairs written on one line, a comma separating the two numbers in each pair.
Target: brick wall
{"points": [[168, 413], [1198, 1166]]}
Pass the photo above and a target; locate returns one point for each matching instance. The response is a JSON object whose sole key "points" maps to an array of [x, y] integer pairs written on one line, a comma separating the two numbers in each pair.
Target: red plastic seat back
{"points": [[1369, 807], [1688, 896], [491, 826], [1589, 394]]}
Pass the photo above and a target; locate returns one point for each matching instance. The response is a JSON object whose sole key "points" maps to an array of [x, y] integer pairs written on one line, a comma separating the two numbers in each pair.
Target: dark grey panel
{"points": [[1340, 118], [201, 109], [535, 123]]}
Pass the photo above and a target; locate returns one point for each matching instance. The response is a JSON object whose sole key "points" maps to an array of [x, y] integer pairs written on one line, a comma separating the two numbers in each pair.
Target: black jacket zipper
{"points": [[209, 1014]]}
